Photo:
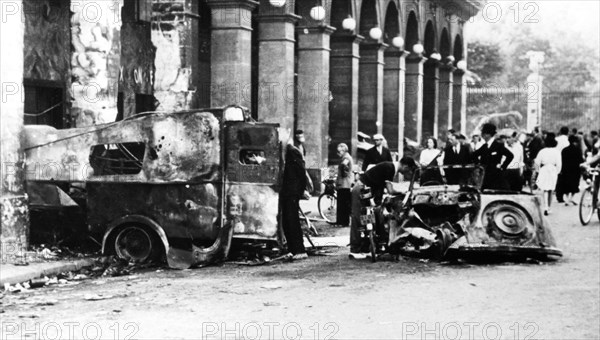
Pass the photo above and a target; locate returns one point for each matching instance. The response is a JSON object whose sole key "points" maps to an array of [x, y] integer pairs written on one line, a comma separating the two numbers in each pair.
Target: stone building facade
{"points": [[391, 69]]}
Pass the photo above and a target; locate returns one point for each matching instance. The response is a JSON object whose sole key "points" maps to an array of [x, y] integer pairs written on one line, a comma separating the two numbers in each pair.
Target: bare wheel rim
{"points": [[328, 208], [586, 207], [133, 243]]}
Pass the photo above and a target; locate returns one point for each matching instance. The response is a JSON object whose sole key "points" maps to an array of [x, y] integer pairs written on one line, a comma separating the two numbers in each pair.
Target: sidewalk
{"points": [[12, 274]]}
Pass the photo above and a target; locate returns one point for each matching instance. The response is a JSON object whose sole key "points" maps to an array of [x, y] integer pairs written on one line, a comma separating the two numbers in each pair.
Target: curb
{"points": [[16, 274]]}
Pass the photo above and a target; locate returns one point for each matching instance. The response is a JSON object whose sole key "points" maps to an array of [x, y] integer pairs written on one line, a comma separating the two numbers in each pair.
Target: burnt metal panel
{"points": [[252, 190], [185, 212], [535, 232], [180, 147], [259, 208], [247, 136]]}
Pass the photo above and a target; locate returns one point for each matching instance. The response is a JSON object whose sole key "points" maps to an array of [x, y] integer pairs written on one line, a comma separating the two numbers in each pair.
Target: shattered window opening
{"points": [[252, 157], [117, 159]]}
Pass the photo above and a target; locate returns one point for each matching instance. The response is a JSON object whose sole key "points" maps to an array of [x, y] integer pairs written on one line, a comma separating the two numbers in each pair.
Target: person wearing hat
{"points": [[377, 154], [490, 156]]}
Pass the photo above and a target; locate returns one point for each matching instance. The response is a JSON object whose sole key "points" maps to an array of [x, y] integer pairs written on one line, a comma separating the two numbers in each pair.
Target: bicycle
{"points": [[589, 198], [327, 202]]}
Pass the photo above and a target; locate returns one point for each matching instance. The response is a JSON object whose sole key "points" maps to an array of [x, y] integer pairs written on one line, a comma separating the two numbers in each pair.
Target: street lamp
{"points": [[436, 56], [418, 48], [277, 3], [375, 33], [398, 42], [349, 24], [317, 13]]}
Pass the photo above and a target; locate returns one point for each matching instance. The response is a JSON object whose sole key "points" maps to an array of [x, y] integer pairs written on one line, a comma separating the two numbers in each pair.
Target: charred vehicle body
{"points": [[177, 185], [462, 221]]}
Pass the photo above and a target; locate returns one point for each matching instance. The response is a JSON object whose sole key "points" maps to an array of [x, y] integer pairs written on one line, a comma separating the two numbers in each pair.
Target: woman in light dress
{"points": [[428, 158], [548, 164], [428, 155]]}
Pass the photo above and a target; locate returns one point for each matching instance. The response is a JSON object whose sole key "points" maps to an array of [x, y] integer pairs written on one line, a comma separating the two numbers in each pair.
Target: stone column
{"points": [[370, 88], [276, 65], [175, 35], [459, 102], [313, 92], [14, 228], [343, 83], [413, 108], [445, 95], [431, 80], [393, 98], [95, 62], [231, 50]]}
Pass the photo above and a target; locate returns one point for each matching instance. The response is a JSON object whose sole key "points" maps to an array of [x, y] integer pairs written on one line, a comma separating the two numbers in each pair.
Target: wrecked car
{"points": [[179, 185], [462, 221]]}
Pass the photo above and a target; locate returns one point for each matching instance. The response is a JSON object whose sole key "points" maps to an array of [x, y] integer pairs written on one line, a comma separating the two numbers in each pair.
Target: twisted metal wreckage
{"points": [[463, 221], [185, 184], [179, 183]]}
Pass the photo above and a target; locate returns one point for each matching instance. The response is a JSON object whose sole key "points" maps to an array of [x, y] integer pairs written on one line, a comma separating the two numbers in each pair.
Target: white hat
{"points": [[378, 136]]}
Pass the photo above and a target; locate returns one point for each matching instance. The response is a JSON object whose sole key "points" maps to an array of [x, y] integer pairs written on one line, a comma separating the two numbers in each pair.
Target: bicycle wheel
{"points": [[586, 206], [372, 246], [598, 204], [328, 207]]}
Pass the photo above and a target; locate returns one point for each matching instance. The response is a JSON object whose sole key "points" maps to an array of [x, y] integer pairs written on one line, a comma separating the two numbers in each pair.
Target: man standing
{"points": [[563, 138], [455, 154], [344, 183], [299, 141], [490, 156], [292, 189], [562, 142], [533, 145], [514, 172], [377, 154]]}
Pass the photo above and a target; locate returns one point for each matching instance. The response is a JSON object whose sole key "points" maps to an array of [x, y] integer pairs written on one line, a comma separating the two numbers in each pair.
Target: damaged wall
{"points": [[95, 62], [47, 52], [174, 33], [137, 64], [13, 200]]}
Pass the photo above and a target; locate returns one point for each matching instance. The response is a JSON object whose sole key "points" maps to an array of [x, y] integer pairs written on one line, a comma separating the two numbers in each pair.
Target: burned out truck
{"points": [[179, 185]]}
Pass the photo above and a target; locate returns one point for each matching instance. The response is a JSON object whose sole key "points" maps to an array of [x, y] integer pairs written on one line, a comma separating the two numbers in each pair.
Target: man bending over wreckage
{"points": [[376, 178]]}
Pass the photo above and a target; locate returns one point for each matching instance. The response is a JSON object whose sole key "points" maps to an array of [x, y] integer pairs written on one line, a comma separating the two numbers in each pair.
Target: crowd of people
{"points": [[511, 161]]}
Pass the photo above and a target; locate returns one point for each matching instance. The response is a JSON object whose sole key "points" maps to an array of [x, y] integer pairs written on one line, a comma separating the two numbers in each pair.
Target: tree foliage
{"points": [[570, 72]]}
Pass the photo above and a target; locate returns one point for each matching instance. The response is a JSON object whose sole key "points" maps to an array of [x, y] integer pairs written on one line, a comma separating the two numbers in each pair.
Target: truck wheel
{"points": [[135, 243]]}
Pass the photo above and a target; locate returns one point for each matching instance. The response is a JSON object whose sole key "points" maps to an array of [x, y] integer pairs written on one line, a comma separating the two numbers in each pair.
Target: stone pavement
{"points": [[10, 273]]}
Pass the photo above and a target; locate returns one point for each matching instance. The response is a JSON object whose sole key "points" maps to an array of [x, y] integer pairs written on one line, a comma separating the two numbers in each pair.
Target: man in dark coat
{"points": [[292, 190], [377, 154], [490, 156], [375, 178], [456, 153]]}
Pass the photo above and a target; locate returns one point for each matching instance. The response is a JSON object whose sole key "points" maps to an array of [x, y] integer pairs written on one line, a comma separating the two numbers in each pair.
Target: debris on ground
{"points": [[97, 297], [257, 254], [271, 285], [102, 267]]}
